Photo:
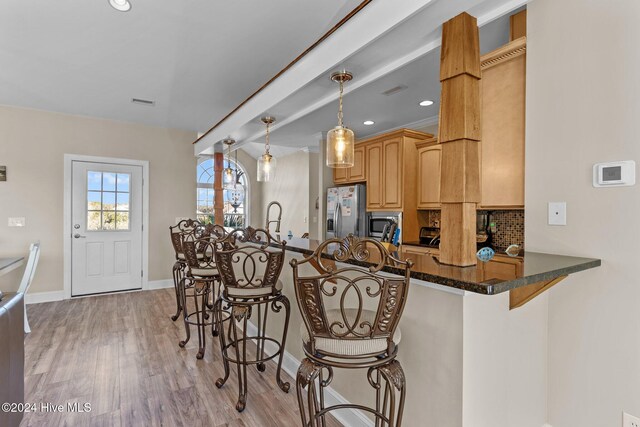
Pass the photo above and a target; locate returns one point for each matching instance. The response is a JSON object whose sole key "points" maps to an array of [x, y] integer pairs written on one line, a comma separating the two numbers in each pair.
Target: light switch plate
{"points": [[17, 222], [557, 213], [629, 420]]}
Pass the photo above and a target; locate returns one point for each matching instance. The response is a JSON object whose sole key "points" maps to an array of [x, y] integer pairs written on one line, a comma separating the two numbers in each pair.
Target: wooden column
{"points": [[459, 134], [218, 198]]}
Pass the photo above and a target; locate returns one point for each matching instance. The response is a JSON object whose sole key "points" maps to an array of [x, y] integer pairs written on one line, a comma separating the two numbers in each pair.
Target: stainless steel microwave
{"points": [[376, 222]]}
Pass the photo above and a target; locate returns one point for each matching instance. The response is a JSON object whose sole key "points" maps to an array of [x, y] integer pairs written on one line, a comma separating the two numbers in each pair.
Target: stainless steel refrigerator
{"points": [[346, 209]]}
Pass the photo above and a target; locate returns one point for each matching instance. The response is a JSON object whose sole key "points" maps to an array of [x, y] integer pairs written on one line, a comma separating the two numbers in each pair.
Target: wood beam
{"points": [[518, 25], [520, 296], [459, 134], [218, 197]]}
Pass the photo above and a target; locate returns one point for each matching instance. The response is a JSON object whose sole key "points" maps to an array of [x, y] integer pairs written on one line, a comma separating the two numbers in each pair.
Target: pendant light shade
{"points": [[228, 175], [340, 149], [266, 162], [340, 140]]}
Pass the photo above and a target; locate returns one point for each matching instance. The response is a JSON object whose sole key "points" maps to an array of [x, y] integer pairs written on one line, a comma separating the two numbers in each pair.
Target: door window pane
{"points": [[108, 201]]}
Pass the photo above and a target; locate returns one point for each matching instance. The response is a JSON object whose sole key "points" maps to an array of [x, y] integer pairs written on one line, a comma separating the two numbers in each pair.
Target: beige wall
{"points": [[583, 106], [32, 146], [291, 188]]}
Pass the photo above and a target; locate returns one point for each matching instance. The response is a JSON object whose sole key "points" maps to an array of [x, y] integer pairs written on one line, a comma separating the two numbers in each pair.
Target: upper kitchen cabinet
{"points": [[503, 126], [354, 174], [428, 188], [391, 170]]}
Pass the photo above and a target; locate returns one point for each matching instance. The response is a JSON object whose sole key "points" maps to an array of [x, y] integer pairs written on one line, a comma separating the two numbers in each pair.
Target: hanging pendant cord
{"points": [[266, 145], [340, 105]]}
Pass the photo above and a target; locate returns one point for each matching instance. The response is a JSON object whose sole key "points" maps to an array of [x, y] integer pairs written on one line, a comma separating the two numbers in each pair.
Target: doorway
{"points": [[105, 216]]}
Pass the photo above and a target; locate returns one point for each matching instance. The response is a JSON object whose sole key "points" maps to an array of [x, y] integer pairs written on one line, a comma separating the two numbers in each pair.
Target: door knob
{"points": [[78, 236]]}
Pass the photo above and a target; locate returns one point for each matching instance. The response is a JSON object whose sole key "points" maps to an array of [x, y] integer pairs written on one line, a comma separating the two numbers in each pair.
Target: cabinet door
{"points": [[500, 269], [340, 175], [503, 134], [429, 177], [374, 172], [392, 174], [357, 172]]}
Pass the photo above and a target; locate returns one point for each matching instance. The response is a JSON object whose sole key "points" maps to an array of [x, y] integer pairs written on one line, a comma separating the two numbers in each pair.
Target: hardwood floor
{"points": [[120, 354]]}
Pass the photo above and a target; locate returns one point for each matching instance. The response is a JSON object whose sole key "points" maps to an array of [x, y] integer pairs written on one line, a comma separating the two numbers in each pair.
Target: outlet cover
{"points": [[17, 222], [629, 420], [557, 213]]}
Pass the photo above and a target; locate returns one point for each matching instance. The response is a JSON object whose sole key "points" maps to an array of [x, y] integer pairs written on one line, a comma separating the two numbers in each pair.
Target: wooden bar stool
{"points": [[351, 317], [249, 272], [200, 282], [178, 233]]}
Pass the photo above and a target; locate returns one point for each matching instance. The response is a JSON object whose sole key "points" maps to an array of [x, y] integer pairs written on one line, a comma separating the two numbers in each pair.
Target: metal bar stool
{"points": [[249, 272], [178, 232], [351, 317], [200, 281]]}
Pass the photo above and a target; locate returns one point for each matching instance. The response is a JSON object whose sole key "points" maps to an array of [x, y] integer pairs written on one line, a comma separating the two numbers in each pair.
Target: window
{"points": [[235, 205], [107, 201]]}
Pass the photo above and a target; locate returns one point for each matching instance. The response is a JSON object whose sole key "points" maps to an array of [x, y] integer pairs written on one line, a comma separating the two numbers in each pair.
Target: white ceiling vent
{"points": [[143, 102], [394, 90]]}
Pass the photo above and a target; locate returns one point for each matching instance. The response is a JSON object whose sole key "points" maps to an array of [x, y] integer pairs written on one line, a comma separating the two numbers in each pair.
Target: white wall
{"points": [[32, 146], [583, 106]]}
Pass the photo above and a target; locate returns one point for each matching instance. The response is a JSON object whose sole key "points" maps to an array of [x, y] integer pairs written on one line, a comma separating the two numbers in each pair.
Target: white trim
{"points": [[347, 417], [66, 227], [160, 284], [39, 297]]}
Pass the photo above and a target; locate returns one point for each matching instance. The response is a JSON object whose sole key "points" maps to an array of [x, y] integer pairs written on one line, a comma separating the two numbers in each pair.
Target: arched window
{"points": [[235, 197]]}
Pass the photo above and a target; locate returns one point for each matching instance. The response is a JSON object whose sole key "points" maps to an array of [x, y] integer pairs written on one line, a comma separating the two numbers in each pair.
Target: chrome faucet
{"points": [[268, 222]]}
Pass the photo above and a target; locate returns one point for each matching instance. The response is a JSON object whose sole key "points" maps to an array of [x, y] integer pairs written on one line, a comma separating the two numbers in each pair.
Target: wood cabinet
{"points": [[373, 159], [354, 174], [429, 161], [501, 267], [503, 127], [411, 252]]}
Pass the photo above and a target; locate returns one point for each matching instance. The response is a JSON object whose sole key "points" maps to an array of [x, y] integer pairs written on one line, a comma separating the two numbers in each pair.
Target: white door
{"points": [[106, 228]]}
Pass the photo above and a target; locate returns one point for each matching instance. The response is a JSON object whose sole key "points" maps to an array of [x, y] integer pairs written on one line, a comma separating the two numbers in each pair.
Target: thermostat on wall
{"points": [[614, 174]]}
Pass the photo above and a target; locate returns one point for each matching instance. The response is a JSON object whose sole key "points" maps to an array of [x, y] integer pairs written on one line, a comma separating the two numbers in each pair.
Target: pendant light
{"points": [[228, 176], [340, 140], [266, 162]]}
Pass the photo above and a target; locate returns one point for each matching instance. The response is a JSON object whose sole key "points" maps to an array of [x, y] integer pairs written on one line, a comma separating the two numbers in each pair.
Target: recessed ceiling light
{"points": [[121, 5], [368, 122], [426, 103]]}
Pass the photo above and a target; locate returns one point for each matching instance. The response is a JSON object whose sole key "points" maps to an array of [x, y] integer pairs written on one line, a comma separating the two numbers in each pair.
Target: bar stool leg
{"points": [[241, 313], [394, 379], [308, 372], [284, 386], [185, 315], [223, 342], [177, 276], [201, 311], [262, 326]]}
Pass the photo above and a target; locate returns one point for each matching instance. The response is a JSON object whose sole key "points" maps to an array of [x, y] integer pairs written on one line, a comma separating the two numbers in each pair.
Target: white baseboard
{"points": [[38, 297], [160, 284], [347, 417]]}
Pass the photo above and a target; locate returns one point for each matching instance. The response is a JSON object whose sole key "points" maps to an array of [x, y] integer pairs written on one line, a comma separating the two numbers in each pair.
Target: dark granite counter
{"points": [[498, 275]]}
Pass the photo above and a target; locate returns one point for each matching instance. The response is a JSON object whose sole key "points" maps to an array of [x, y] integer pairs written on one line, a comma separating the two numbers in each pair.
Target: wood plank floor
{"points": [[120, 353]]}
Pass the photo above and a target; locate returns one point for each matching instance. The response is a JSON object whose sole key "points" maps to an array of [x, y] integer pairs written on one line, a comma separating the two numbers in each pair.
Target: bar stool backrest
{"points": [[251, 266], [179, 231], [355, 302], [199, 246]]}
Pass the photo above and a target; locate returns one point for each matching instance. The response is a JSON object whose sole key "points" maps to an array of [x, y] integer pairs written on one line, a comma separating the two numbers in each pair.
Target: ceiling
{"points": [[407, 55], [196, 59]]}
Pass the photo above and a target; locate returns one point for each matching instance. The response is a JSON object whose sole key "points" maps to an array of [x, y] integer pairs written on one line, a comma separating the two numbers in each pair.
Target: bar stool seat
{"points": [[350, 347], [253, 292], [204, 272], [181, 256]]}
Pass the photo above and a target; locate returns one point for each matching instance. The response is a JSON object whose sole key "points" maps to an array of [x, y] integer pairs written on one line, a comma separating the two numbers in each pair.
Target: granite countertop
{"points": [[533, 267]]}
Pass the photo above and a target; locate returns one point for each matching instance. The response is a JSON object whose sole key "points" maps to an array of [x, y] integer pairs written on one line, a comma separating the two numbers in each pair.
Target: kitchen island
{"points": [[469, 359]]}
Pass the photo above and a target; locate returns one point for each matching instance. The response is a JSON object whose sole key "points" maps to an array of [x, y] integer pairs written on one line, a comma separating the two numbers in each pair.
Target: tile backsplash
{"points": [[509, 226]]}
